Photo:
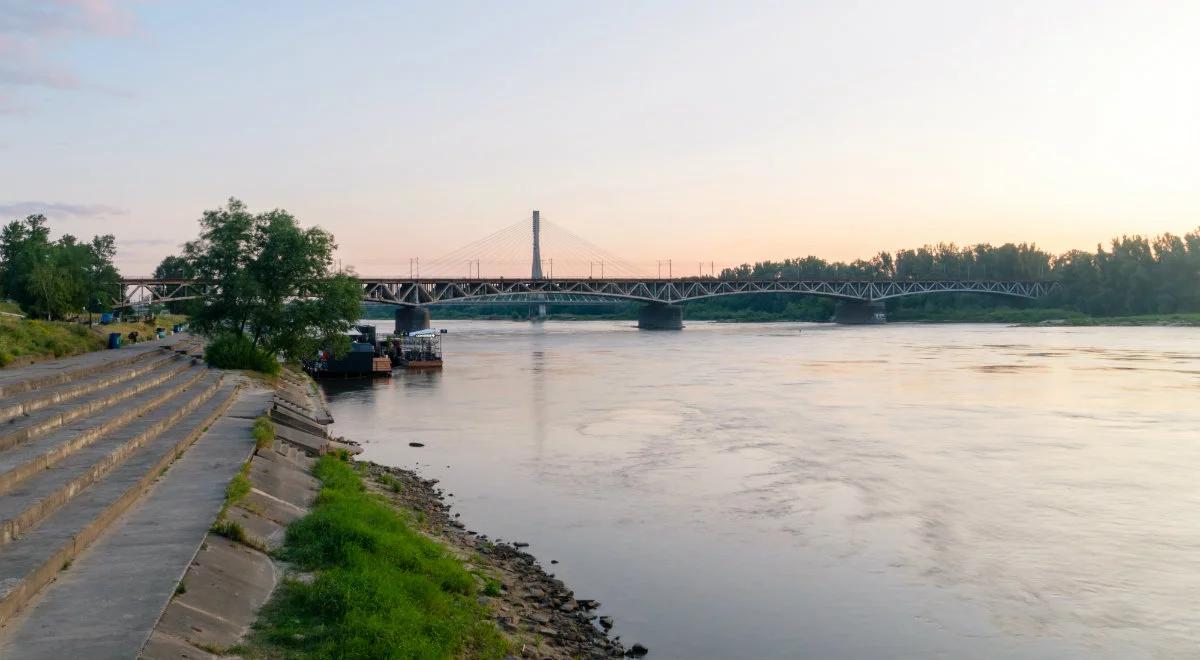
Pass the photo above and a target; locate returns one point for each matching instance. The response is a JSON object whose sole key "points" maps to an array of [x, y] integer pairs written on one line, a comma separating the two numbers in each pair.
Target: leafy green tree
{"points": [[56, 278], [174, 267], [271, 281]]}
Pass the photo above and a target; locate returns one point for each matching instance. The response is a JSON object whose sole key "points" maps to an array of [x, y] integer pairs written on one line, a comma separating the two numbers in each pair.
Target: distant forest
{"points": [[1133, 275]]}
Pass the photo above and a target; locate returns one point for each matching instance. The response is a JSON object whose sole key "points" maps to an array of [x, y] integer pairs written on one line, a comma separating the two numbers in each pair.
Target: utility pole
{"points": [[669, 275]]}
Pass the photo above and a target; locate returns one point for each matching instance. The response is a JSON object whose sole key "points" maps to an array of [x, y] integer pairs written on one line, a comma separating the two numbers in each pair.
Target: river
{"points": [[820, 491]]}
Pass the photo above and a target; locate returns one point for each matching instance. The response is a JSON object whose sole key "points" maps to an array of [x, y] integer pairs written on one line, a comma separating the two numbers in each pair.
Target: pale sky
{"points": [[724, 132]]}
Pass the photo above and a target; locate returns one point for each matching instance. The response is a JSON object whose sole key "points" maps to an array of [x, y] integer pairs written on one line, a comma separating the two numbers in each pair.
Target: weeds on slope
{"points": [[381, 589]]}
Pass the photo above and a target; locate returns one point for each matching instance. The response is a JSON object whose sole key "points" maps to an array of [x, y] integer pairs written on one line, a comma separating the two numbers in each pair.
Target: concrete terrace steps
{"points": [[56, 372], [107, 603], [22, 429], [48, 490], [32, 560], [24, 460], [28, 402]]}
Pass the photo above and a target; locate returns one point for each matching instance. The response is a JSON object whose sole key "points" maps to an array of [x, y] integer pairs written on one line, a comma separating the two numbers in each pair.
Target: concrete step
{"points": [[51, 417], [115, 592], [56, 372], [28, 458], [34, 559], [48, 490], [27, 402]]}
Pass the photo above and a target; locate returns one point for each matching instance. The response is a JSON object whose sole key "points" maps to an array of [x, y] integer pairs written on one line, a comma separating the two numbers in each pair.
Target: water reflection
{"points": [[900, 491]]}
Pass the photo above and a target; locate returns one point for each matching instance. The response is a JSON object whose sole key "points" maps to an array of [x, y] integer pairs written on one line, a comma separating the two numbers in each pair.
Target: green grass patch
{"points": [[238, 352], [382, 590], [229, 529], [263, 432], [21, 338]]}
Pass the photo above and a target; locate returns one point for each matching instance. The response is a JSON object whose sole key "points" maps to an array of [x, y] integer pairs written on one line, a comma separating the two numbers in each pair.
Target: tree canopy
{"points": [[1134, 275], [54, 279], [271, 281]]}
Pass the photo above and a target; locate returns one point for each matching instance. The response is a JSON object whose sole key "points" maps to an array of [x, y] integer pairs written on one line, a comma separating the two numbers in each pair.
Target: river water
{"points": [[819, 491]]}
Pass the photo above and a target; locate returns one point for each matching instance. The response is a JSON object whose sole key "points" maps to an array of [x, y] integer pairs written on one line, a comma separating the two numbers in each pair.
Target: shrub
{"points": [[232, 351]]}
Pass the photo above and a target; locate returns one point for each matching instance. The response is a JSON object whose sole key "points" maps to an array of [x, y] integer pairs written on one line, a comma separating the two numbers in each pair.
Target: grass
{"points": [[263, 432], [27, 338], [391, 483], [382, 590]]}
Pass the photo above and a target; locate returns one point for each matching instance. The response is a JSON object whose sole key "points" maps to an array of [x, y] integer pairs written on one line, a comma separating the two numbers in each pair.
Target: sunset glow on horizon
{"points": [[703, 134]]}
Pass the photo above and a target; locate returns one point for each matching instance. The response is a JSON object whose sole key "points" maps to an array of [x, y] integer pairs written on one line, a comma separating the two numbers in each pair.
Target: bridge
{"points": [[860, 300]]}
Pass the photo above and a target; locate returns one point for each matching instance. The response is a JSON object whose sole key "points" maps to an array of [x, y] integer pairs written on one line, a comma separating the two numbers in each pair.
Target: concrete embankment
{"points": [[232, 575], [112, 467]]}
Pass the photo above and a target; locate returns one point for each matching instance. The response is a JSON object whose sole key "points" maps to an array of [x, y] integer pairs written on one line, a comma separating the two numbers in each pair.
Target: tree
{"points": [[271, 281], [174, 267], [56, 278]]}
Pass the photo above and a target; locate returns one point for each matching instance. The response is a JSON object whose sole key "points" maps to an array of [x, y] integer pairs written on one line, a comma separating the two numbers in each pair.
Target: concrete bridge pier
{"points": [[409, 319], [660, 316], [860, 312]]}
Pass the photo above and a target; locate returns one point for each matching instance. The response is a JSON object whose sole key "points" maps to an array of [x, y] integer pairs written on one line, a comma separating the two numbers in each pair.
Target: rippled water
{"points": [[804, 491]]}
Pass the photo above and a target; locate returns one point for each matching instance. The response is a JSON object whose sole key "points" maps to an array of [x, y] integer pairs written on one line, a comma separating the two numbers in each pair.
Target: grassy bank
{"points": [[144, 330], [25, 340], [381, 589]]}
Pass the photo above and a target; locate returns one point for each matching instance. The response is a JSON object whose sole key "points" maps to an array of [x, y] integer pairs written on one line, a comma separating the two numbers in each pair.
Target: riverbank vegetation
{"points": [[379, 588], [23, 340], [274, 289]]}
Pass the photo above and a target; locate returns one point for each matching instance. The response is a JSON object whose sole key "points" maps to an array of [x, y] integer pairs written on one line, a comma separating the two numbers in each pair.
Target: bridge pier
{"points": [[660, 316], [409, 319], [860, 312]]}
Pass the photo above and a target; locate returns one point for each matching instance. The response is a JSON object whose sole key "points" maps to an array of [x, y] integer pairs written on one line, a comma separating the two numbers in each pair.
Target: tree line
{"points": [[1133, 275], [56, 279]]}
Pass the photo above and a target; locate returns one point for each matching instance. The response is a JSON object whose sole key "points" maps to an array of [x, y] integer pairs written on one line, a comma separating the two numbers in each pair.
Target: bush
{"points": [[237, 352]]}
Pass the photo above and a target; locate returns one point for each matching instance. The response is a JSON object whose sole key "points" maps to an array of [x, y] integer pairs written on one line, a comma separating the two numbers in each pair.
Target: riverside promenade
{"points": [[113, 468]]}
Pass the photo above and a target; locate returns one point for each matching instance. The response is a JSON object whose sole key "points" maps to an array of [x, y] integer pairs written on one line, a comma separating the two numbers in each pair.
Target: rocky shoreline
{"points": [[531, 606]]}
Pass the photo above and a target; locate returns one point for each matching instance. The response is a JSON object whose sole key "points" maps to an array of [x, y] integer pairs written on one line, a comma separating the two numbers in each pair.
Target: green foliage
{"points": [[174, 267], [382, 590], [491, 588], [274, 282], [263, 432], [55, 279], [235, 351], [237, 488], [23, 337]]}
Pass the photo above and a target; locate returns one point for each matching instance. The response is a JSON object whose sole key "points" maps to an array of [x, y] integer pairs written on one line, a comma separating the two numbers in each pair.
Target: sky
{"points": [[692, 131]]}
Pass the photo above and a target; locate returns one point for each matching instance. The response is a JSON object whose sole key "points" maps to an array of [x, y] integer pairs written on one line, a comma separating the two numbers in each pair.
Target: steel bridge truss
{"points": [[434, 291], [421, 292], [150, 291]]}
